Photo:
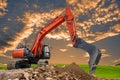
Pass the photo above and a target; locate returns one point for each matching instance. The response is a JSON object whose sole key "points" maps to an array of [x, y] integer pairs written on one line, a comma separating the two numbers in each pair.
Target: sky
{"points": [[97, 22]]}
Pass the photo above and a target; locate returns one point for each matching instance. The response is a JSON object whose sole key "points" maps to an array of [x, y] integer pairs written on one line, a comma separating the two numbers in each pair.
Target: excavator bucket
{"points": [[93, 52]]}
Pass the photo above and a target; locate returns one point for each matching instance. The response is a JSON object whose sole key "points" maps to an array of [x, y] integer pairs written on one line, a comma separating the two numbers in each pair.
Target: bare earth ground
{"points": [[49, 72]]}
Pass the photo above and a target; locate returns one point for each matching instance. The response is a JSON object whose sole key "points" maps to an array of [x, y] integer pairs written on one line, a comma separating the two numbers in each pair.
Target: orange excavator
{"points": [[24, 57]]}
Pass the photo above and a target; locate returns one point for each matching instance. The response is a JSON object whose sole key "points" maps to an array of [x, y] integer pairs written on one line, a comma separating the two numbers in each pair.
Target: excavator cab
{"points": [[45, 52], [43, 60]]}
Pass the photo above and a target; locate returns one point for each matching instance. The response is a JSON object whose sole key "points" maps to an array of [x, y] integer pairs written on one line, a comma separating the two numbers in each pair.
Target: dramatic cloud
{"points": [[63, 50], [2, 55], [3, 6], [116, 28], [117, 60], [86, 55], [5, 29], [95, 15], [71, 56], [95, 20], [69, 45], [104, 53], [88, 17]]}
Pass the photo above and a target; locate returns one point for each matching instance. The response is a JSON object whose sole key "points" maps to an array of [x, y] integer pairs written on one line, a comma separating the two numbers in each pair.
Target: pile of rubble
{"points": [[71, 72]]}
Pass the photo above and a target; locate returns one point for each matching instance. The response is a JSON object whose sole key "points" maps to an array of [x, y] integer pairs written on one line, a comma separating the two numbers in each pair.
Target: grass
{"points": [[101, 71], [3, 67], [108, 71], [34, 65]]}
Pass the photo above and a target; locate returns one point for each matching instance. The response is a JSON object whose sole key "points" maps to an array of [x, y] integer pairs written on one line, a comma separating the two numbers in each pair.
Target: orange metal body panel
{"points": [[18, 53]]}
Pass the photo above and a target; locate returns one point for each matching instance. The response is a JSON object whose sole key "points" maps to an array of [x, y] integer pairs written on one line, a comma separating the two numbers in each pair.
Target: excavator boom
{"points": [[42, 33]]}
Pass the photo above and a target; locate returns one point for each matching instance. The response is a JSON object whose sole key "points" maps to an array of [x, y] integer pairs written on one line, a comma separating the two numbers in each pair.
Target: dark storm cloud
{"points": [[12, 26], [44, 5]]}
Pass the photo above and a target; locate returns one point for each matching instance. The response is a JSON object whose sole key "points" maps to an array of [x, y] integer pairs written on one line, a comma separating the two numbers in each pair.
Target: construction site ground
{"points": [[49, 72]]}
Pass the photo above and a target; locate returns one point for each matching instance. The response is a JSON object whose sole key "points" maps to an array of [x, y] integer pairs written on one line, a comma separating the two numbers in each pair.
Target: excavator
{"points": [[40, 53]]}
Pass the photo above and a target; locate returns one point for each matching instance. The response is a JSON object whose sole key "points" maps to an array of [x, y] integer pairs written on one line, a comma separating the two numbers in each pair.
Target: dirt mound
{"points": [[75, 73], [71, 72], [80, 73]]}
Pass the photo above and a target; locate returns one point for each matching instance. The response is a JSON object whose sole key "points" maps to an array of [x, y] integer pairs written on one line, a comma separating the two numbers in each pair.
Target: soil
{"points": [[49, 72]]}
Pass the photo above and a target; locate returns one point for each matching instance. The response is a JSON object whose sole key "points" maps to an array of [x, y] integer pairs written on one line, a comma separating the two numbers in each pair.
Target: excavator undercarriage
{"points": [[18, 63]]}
